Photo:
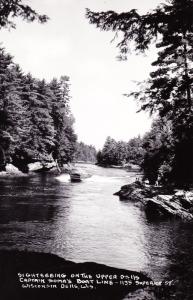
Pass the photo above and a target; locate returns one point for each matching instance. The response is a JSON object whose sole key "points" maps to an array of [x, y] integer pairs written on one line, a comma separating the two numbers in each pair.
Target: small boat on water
{"points": [[75, 176]]}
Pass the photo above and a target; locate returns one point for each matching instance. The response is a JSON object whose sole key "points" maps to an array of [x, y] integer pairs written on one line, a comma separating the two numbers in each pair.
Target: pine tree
{"points": [[168, 91], [35, 132], [10, 9], [135, 151], [36, 123], [85, 152], [65, 138], [158, 146], [9, 104], [108, 152]]}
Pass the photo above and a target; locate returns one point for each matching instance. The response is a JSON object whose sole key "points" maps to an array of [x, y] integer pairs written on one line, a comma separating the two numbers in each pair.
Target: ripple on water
{"points": [[85, 222]]}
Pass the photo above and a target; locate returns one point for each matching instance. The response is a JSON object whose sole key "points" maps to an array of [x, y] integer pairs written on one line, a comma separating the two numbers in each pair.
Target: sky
{"points": [[68, 45]]}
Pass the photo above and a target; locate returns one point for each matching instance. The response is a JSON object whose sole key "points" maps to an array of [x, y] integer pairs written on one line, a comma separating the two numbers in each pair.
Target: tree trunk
{"points": [[2, 160]]}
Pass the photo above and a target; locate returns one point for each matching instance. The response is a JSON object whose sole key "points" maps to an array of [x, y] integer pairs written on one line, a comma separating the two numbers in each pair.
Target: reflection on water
{"points": [[85, 222]]}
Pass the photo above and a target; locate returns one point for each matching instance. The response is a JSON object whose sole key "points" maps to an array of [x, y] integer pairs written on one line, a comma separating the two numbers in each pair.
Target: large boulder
{"points": [[34, 166], [169, 206], [39, 167], [159, 202], [11, 170], [135, 192]]}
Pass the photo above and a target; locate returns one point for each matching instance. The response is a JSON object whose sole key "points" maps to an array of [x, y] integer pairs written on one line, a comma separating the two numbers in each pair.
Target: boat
{"points": [[75, 175]]}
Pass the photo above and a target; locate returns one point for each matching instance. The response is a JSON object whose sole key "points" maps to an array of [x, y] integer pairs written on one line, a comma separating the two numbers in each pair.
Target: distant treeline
{"points": [[119, 153], [35, 119], [86, 153], [155, 153]]}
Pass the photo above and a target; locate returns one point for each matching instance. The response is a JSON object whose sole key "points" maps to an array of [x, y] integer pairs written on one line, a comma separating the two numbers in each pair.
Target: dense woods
{"points": [[168, 91], [119, 153], [35, 118], [154, 152], [85, 153], [36, 124]]}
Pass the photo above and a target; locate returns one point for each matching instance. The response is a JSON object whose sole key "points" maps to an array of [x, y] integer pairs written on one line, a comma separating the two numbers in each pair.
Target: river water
{"points": [[85, 222]]}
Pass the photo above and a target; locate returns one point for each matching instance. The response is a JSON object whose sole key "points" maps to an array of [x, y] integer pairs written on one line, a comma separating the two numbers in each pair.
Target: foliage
{"points": [[86, 153], [119, 153], [36, 124], [10, 9], [108, 154], [168, 91], [158, 145], [135, 150]]}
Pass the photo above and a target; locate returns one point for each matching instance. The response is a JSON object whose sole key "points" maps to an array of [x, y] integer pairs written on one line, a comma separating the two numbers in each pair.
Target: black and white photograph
{"points": [[96, 149]]}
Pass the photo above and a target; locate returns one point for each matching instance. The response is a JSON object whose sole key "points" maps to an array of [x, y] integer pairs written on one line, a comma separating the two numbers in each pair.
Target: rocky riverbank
{"points": [[36, 167], [128, 167], [159, 202], [22, 272], [11, 170]]}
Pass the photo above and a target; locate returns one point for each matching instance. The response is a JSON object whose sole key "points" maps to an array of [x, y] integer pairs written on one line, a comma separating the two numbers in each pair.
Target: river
{"points": [[85, 222]]}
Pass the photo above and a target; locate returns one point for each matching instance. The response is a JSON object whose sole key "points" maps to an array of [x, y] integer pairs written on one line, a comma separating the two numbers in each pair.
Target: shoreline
{"points": [[159, 202], [127, 167], [95, 281]]}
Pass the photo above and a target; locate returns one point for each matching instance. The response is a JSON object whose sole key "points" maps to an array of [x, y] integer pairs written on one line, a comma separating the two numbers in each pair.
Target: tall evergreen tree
{"points": [[36, 123], [135, 151], [10, 9], [65, 138], [168, 91], [9, 104], [109, 154], [158, 146], [85, 152]]}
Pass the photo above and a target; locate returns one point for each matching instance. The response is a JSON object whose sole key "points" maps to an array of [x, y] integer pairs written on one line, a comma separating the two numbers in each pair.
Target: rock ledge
{"points": [[159, 202]]}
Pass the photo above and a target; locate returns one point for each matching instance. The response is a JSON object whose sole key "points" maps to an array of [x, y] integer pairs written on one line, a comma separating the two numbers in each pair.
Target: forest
{"points": [[36, 124], [167, 93], [119, 153], [35, 118], [152, 152], [85, 153]]}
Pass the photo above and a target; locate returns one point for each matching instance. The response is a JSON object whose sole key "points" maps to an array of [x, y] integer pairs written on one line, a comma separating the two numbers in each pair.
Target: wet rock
{"points": [[11, 170], [189, 197], [134, 192], [41, 167], [167, 206], [34, 166], [159, 202]]}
